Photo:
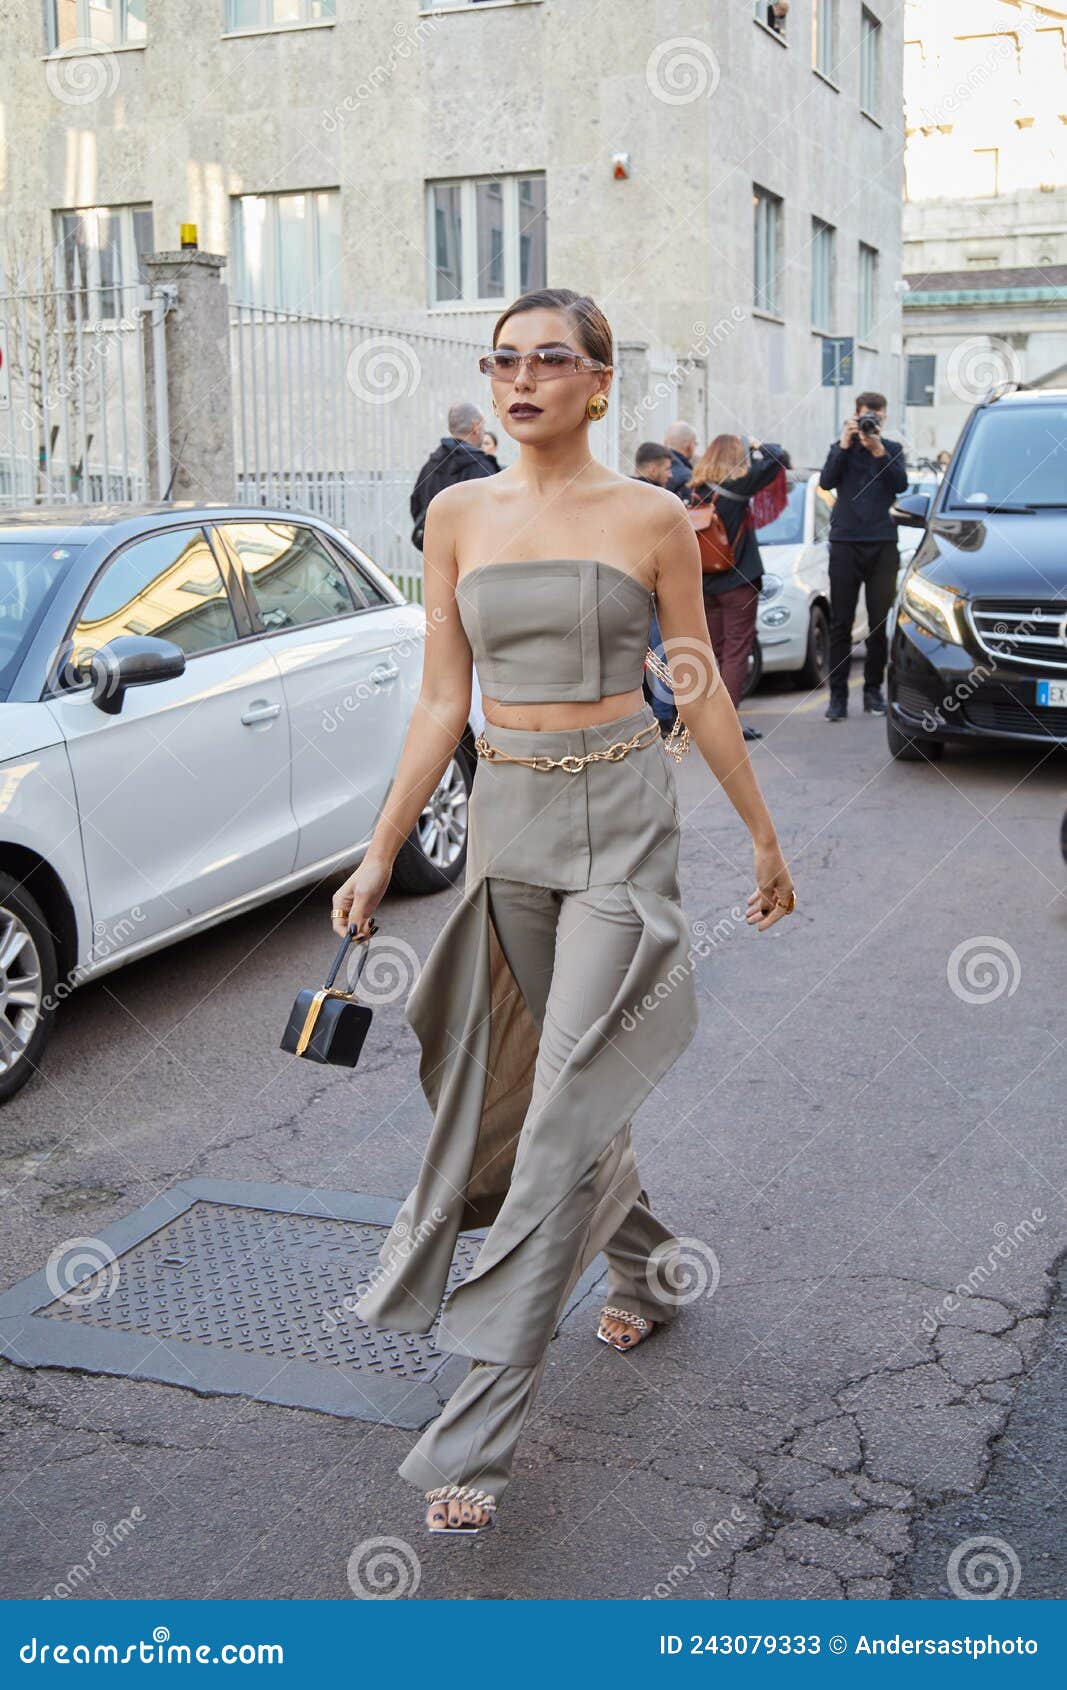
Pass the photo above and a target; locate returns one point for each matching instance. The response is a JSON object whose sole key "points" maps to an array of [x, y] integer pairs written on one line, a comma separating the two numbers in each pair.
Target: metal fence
{"points": [[337, 415], [74, 409]]}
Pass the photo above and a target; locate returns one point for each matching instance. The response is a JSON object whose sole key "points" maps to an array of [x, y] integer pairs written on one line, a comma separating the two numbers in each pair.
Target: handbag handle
{"points": [[349, 939]]}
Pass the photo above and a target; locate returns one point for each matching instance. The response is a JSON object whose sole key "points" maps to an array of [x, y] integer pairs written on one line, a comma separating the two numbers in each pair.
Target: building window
{"points": [[277, 14], [870, 61], [986, 172], [866, 313], [824, 41], [486, 238], [99, 251], [822, 275], [773, 13], [921, 367], [95, 23], [767, 232], [287, 250]]}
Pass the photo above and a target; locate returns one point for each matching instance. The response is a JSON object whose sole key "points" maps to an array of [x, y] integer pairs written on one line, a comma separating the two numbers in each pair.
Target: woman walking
{"points": [[560, 988], [729, 478]]}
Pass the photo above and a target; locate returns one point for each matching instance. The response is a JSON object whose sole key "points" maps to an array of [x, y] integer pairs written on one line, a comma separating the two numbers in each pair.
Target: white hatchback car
{"points": [[201, 708], [793, 618]]}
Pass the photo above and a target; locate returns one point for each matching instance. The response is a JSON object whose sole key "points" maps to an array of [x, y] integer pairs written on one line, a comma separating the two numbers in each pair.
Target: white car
{"points": [[793, 618], [201, 708]]}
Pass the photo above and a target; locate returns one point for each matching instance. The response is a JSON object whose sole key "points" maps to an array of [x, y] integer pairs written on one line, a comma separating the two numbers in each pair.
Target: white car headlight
{"points": [[936, 608], [772, 586], [776, 617]]}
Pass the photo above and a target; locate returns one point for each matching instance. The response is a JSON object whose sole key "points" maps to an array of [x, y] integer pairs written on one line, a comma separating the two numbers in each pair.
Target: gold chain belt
{"points": [[572, 763]]}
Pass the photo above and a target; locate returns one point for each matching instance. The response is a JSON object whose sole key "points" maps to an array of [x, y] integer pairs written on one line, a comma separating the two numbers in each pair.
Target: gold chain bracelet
{"points": [[677, 741], [572, 763]]}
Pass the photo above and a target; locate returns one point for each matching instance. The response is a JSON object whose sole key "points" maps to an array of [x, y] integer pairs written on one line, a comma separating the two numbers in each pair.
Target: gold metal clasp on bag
{"points": [[307, 1032]]}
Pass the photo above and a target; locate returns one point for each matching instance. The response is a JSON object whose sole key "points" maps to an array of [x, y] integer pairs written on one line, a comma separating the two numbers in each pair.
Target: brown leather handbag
{"points": [[716, 552]]}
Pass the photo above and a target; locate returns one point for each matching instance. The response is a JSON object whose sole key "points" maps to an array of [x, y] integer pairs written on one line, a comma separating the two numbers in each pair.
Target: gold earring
{"points": [[492, 402], [596, 407]]}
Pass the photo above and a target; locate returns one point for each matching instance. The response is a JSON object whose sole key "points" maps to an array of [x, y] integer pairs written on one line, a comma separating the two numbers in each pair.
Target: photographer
{"points": [[868, 473]]}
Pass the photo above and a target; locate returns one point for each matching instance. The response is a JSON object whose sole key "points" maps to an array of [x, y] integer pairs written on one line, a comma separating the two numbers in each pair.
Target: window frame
{"points": [[824, 25], [243, 291], [765, 197], [929, 388], [353, 575], [824, 239], [759, 8], [468, 242], [870, 63], [238, 608], [229, 29], [84, 37], [93, 289], [865, 329]]}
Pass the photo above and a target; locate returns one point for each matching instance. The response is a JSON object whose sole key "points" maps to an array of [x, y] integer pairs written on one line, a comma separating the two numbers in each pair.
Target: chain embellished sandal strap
{"points": [[463, 1493], [626, 1317]]}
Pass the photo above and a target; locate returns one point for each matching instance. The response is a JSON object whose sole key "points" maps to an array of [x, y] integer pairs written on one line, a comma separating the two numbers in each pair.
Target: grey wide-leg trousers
{"points": [[568, 951]]}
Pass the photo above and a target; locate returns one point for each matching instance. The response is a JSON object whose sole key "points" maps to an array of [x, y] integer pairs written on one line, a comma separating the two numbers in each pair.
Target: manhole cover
{"points": [[239, 1289]]}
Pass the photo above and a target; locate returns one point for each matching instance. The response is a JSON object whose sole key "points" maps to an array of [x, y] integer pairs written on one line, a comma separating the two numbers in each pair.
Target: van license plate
{"points": [[1052, 692]]}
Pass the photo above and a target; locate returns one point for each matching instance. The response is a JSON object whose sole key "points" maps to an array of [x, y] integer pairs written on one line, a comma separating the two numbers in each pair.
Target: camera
{"points": [[868, 423]]}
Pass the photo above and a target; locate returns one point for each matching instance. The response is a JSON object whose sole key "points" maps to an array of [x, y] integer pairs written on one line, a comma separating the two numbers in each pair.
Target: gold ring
{"points": [[789, 907]]}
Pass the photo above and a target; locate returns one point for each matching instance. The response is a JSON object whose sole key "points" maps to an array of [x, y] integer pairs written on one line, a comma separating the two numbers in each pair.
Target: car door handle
{"points": [[384, 674], [261, 711]]}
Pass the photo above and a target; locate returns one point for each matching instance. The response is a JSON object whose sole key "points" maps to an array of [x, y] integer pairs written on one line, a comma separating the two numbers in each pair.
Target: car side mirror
{"points": [[911, 510], [129, 660]]}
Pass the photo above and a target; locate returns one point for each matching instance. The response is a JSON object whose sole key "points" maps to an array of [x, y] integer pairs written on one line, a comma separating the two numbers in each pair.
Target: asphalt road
{"points": [[864, 1124]]}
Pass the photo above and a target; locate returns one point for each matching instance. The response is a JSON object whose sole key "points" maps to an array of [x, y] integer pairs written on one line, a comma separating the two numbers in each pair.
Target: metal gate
{"points": [[74, 412], [337, 414]]}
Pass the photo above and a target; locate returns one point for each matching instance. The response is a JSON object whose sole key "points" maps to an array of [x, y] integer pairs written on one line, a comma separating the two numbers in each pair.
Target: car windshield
{"points": [[28, 573], [787, 529], [1014, 455]]}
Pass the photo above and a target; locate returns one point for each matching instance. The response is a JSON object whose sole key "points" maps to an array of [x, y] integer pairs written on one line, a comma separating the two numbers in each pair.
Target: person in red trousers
{"points": [[735, 472]]}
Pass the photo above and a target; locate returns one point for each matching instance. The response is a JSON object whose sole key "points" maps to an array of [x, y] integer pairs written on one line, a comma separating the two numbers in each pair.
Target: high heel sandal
{"points": [[461, 1493], [624, 1345]]}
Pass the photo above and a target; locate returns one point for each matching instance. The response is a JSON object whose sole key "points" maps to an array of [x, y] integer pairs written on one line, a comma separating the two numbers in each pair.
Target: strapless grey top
{"points": [[545, 629]]}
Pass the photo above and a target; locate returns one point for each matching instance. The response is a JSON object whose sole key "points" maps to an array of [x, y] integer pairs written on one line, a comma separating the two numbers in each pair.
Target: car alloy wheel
{"points": [[21, 989], [442, 827]]}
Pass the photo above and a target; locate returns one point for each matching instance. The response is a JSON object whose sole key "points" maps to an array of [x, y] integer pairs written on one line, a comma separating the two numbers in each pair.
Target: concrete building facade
{"points": [[985, 219], [724, 178]]}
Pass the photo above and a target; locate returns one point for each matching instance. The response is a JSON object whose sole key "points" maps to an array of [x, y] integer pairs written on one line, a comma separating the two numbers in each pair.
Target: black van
{"points": [[979, 647]]}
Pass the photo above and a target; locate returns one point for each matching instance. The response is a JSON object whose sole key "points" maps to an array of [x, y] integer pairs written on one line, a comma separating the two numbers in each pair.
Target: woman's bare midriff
{"points": [[544, 718]]}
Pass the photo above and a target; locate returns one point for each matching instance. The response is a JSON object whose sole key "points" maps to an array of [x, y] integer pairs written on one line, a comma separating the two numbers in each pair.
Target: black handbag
{"points": [[330, 1025]]}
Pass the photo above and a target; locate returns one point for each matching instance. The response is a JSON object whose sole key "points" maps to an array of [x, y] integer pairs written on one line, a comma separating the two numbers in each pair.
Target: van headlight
{"points": [[935, 608]]}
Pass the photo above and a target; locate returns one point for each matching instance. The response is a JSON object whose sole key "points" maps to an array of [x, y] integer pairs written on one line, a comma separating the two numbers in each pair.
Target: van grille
{"points": [[996, 709], [1023, 631]]}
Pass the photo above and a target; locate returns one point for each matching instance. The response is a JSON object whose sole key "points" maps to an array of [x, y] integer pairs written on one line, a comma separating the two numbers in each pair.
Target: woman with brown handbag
{"points": [[725, 479]]}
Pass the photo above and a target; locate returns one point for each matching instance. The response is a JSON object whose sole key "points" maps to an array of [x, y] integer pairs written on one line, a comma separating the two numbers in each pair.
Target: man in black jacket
{"points": [[868, 473], [458, 458], [681, 442]]}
